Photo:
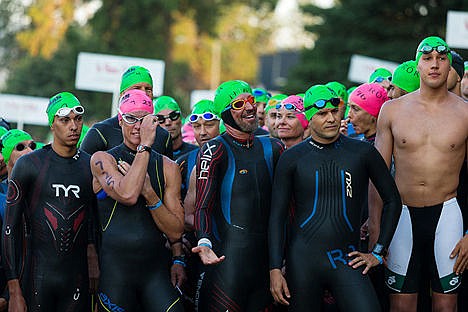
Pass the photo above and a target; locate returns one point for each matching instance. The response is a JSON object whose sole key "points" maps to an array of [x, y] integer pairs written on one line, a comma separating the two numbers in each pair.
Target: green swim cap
{"points": [[340, 89], [261, 95], [380, 72], [314, 94], [84, 130], [466, 65], [406, 76], [3, 130], [275, 99], [228, 91], [433, 42], [165, 102], [62, 99], [134, 75], [204, 106], [10, 139]]}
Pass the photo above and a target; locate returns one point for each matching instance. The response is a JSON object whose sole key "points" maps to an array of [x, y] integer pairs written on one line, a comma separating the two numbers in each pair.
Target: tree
{"points": [[389, 30]]}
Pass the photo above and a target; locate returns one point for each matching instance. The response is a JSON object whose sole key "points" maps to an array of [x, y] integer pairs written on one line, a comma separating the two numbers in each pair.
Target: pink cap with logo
{"points": [[370, 97], [133, 101]]}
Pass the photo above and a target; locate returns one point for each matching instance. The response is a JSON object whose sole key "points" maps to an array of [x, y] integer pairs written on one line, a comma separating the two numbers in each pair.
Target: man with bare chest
{"points": [[426, 132]]}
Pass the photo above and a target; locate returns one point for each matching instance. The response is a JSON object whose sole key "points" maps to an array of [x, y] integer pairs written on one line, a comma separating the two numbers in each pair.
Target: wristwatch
{"points": [[143, 148]]}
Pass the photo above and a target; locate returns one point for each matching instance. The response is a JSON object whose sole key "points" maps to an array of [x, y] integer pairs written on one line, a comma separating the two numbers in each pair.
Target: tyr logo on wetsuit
{"points": [[75, 189]]}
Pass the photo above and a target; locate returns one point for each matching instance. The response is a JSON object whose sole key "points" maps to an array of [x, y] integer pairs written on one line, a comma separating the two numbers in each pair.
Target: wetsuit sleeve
{"points": [[281, 197], [208, 169], [12, 226], [93, 141], [388, 191]]}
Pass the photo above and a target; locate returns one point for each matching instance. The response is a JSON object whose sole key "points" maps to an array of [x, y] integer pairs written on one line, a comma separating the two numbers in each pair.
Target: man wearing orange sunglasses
{"points": [[233, 181]]}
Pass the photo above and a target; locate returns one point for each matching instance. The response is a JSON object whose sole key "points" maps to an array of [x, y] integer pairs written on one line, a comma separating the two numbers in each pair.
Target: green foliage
{"points": [[389, 30]]}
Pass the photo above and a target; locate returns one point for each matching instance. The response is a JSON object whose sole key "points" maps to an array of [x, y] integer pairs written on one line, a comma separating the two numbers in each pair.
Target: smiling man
{"points": [[233, 182]]}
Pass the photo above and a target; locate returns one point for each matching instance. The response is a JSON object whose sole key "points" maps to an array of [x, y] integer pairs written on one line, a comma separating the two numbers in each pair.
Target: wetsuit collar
{"points": [[320, 146], [240, 138]]}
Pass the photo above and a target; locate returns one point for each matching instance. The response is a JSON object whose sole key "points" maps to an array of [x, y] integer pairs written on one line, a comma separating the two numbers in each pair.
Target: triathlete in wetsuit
{"points": [[234, 175], [139, 201], [327, 178], [168, 113], [52, 187], [107, 134], [104, 135]]}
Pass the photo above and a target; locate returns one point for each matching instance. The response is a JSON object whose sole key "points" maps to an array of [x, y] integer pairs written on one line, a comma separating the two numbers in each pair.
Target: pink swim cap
{"points": [[370, 97], [298, 102], [133, 101]]}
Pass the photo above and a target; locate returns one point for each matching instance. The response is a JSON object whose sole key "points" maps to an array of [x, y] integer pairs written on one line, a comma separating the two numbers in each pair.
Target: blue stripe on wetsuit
{"points": [[267, 154], [315, 200]]}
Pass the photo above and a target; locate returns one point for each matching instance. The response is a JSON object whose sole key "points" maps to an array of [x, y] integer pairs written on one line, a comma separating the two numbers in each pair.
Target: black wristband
{"points": [[379, 249]]}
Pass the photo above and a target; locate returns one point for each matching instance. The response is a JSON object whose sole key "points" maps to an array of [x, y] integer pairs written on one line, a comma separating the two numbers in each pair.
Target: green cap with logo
{"points": [[380, 72], [433, 42], [275, 99], [11, 139], [134, 75], [406, 76], [340, 89], [314, 94], [165, 102], [228, 91], [204, 106], [62, 99]]}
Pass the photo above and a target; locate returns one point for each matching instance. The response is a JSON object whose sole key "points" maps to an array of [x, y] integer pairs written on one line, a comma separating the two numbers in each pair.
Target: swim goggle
{"points": [[380, 79], [288, 106], [21, 146], [174, 115], [64, 111], [240, 104], [206, 116], [319, 104], [130, 119], [258, 92], [439, 49]]}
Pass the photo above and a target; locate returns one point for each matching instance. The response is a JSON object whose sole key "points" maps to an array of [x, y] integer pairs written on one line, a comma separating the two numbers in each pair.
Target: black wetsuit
{"points": [[186, 164], [232, 209], [104, 135], [134, 262], [55, 195], [328, 184], [184, 149]]}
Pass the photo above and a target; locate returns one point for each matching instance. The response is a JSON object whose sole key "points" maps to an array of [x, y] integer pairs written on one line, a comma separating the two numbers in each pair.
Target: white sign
{"points": [[102, 72], [24, 109], [198, 95], [457, 29], [361, 67]]}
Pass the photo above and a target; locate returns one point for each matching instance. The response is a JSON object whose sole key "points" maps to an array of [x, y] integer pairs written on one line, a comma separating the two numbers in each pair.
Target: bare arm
{"points": [[123, 188], [384, 144], [169, 217]]}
